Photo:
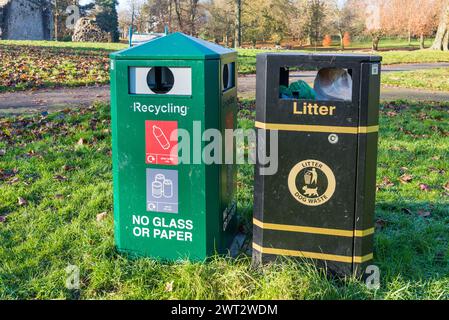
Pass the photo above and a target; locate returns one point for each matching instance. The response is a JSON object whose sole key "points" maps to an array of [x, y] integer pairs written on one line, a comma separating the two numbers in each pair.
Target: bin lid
{"points": [[175, 46], [326, 57]]}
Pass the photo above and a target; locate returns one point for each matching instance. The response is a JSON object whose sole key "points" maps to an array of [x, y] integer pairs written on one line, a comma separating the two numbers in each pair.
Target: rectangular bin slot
{"points": [[160, 80], [228, 76], [324, 84]]}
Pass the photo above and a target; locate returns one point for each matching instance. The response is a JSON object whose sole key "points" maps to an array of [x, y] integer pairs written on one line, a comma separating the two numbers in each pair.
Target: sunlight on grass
{"points": [[60, 165], [435, 79]]}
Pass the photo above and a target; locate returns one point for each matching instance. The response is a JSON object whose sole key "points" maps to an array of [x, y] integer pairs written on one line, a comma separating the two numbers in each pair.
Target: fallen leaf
{"points": [[2, 152], [397, 148], [67, 167], [380, 224], [436, 158], [80, 142], [59, 196], [22, 201], [169, 286], [14, 180], [385, 184], [59, 177], [424, 187], [423, 213], [102, 216], [406, 178], [436, 170], [407, 211], [446, 186]]}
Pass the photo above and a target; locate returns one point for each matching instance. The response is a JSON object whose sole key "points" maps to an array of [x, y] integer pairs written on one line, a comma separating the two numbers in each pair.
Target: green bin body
{"points": [[164, 94]]}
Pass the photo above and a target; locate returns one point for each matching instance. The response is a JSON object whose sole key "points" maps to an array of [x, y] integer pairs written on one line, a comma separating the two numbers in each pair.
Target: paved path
{"points": [[54, 99]]}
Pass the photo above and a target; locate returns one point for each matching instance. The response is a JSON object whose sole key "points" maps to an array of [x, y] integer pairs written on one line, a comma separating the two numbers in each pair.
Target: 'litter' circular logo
{"points": [[311, 182]]}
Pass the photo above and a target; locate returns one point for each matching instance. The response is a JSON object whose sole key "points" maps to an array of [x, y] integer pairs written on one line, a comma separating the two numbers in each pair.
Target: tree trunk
{"points": [[442, 37], [342, 43], [238, 27], [375, 46], [193, 13], [421, 41], [446, 41], [178, 11], [170, 15], [56, 21]]}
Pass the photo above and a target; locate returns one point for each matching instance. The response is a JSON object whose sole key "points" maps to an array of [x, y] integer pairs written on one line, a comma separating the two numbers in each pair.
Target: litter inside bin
{"points": [[297, 90], [333, 84]]}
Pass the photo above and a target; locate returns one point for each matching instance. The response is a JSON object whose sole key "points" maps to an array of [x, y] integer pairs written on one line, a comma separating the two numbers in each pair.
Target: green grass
{"points": [[85, 46], [24, 67], [389, 43], [67, 183], [247, 57], [28, 65], [434, 79]]}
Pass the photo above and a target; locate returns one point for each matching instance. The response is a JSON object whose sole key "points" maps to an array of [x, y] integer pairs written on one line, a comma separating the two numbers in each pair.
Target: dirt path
{"points": [[51, 99], [55, 99]]}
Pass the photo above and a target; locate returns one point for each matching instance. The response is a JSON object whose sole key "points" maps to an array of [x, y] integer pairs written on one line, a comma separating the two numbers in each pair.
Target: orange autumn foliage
{"points": [[347, 39], [327, 41]]}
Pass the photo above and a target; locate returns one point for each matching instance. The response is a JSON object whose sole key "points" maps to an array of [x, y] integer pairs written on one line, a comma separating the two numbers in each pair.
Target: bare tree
{"points": [[341, 19], [442, 37], [193, 15], [238, 26]]}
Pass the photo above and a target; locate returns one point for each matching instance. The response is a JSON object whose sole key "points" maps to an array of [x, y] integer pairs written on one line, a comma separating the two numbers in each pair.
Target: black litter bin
{"points": [[319, 204]]}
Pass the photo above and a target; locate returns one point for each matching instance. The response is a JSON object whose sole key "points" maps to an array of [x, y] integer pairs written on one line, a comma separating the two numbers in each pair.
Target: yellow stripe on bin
{"points": [[364, 233], [370, 129], [315, 128], [312, 255], [363, 259], [303, 254], [313, 230]]}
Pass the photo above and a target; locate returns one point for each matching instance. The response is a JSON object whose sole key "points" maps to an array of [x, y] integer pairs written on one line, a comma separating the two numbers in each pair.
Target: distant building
{"points": [[26, 20]]}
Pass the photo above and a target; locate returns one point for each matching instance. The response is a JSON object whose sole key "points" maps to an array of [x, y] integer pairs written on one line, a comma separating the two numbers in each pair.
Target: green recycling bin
{"points": [[170, 201]]}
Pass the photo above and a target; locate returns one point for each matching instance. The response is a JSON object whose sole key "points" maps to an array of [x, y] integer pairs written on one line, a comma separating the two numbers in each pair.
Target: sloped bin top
{"points": [[175, 46]]}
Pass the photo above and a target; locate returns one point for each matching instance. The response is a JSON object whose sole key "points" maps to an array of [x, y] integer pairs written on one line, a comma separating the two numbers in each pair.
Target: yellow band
{"points": [[313, 255], [314, 128], [314, 230]]}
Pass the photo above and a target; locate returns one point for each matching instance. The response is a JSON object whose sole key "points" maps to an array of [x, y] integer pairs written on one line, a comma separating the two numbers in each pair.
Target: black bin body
{"points": [[320, 203]]}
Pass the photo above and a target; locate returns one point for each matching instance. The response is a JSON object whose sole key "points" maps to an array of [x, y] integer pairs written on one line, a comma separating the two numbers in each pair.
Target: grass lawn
{"points": [[80, 46], [391, 43], [34, 64], [435, 79], [247, 57], [55, 178], [24, 67]]}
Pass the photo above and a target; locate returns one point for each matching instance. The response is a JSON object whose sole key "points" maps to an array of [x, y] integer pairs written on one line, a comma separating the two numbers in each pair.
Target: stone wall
{"points": [[25, 20]]}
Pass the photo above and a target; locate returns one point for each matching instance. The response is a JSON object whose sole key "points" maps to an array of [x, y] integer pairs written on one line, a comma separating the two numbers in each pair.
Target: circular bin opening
{"points": [[225, 76], [160, 80]]}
